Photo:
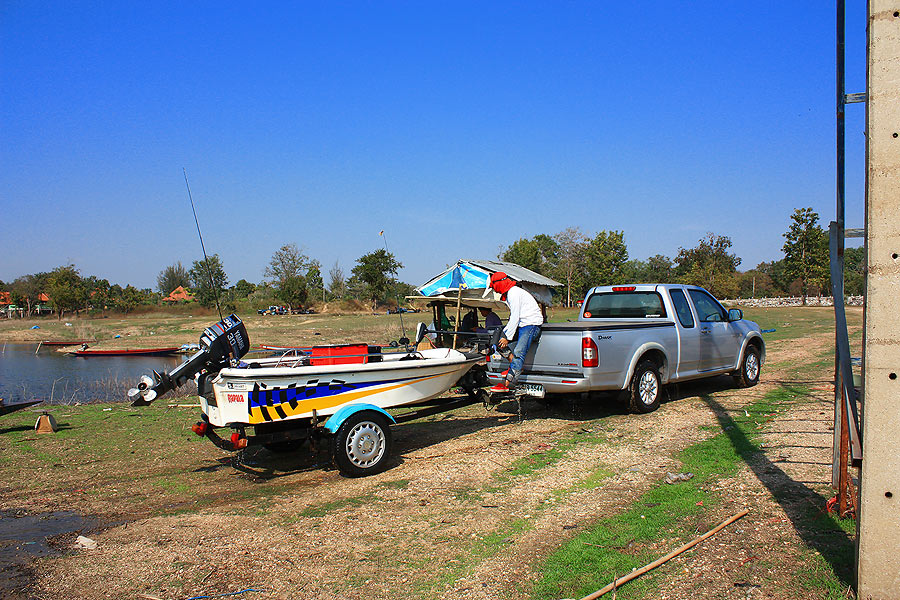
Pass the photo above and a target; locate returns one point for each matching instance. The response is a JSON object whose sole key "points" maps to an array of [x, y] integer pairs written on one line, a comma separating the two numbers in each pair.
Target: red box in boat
{"points": [[341, 354]]}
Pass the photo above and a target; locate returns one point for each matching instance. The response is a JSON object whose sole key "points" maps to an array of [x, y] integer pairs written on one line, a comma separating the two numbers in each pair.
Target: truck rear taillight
{"points": [[624, 288], [590, 357]]}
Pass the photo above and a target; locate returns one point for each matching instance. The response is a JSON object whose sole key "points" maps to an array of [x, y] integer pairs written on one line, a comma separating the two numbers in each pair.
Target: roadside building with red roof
{"points": [[179, 294]]}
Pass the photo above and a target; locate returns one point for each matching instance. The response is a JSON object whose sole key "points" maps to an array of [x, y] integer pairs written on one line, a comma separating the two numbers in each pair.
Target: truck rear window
{"points": [[624, 305]]}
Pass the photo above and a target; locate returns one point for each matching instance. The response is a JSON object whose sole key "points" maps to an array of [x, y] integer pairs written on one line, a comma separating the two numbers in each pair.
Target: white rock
{"points": [[85, 543]]}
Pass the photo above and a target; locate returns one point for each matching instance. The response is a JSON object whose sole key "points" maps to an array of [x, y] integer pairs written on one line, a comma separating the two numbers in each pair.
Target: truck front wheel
{"points": [[645, 387], [748, 375]]}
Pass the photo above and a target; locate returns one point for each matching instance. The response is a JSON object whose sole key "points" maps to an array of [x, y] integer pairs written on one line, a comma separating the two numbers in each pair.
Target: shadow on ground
{"points": [[802, 505]]}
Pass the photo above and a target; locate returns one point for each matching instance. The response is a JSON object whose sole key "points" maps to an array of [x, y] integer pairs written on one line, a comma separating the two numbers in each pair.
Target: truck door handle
{"points": [[705, 331]]}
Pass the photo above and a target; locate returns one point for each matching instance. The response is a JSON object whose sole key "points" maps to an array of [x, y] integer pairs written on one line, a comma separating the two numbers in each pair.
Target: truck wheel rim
{"points": [[752, 368], [365, 444], [648, 388]]}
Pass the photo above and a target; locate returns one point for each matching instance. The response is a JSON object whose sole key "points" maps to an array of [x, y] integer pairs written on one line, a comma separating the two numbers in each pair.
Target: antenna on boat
{"points": [[202, 247], [399, 312]]}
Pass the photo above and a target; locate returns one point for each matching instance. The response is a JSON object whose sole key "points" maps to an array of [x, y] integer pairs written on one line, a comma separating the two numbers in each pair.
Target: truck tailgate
{"points": [[558, 351]]}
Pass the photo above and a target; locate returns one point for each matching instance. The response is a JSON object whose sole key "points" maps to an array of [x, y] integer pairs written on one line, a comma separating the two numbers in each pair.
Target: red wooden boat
{"points": [[128, 352], [66, 342], [8, 408]]}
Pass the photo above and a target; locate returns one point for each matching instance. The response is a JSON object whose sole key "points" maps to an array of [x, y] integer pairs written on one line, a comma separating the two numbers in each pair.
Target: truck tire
{"points": [[748, 374], [645, 387], [362, 444]]}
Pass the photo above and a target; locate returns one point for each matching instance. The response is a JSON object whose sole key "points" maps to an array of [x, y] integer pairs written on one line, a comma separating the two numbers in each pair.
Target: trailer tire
{"points": [[362, 444], [645, 387], [748, 374]]}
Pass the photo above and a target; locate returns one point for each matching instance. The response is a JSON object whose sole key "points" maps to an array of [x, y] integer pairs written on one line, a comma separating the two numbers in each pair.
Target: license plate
{"points": [[532, 389]]}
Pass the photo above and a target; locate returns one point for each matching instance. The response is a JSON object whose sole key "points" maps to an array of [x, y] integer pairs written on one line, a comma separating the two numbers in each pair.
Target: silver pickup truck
{"points": [[638, 338]]}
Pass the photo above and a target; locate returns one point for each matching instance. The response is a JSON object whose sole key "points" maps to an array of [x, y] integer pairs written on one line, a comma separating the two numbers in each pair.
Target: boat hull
{"points": [[270, 394]]}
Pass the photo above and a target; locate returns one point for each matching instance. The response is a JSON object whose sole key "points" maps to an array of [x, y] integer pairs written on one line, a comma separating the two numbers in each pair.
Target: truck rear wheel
{"points": [[362, 444], [645, 387]]}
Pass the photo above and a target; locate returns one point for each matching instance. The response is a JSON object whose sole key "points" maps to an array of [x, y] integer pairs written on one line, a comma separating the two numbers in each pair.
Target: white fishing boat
{"points": [[300, 386], [340, 393]]}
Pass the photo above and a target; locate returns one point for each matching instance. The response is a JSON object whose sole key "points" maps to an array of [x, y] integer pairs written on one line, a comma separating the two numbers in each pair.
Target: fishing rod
{"points": [[202, 247], [399, 312]]}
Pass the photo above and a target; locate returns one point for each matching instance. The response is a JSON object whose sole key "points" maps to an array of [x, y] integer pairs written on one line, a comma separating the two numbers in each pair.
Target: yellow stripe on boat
{"points": [[321, 404]]}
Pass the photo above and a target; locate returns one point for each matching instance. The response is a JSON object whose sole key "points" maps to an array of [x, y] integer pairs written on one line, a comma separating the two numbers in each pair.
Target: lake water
{"points": [[57, 378]]}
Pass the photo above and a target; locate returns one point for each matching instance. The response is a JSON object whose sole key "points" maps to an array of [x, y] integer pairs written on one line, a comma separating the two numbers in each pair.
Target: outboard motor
{"points": [[226, 341]]}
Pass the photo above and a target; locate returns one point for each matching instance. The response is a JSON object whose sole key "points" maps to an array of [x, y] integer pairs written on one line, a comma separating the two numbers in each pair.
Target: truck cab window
{"points": [[682, 309], [625, 305], [707, 307]]}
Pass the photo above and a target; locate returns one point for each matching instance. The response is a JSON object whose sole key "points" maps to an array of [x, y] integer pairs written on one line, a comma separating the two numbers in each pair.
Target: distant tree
{"points": [[171, 277], [285, 271], [27, 290], [709, 264], [97, 292], [314, 280], [606, 255], [375, 270], [854, 271], [293, 291], [285, 263], [66, 290], [659, 269], [355, 287], [337, 285], [571, 257], [656, 269], [540, 254], [208, 280], [400, 290], [130, 299], [243, 288], [755, 284], [806, 251], [775, 271]]}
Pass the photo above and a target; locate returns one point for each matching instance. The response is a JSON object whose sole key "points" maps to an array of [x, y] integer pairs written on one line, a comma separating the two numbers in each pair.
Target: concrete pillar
{"points": [[878, 569]]}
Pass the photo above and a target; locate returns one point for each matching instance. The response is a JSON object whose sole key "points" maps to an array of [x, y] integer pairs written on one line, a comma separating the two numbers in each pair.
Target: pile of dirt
{"points": [[343, 307]]}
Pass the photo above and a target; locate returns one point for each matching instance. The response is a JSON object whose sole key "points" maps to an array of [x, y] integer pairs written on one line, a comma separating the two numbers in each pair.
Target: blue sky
{"points": [[455, 127]]}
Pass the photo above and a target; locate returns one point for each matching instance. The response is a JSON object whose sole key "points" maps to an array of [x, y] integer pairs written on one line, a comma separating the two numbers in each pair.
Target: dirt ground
{"points": [[455, 517]]}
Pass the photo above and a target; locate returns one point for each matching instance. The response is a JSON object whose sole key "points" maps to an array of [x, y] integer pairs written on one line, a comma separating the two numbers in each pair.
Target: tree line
{"points": [[581, 260], [291, 278], [575, 258]]}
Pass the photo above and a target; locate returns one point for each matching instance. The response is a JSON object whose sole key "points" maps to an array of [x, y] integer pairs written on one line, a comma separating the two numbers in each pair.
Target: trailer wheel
{"points": [[748, 375], [362, 444], [645, 387]]}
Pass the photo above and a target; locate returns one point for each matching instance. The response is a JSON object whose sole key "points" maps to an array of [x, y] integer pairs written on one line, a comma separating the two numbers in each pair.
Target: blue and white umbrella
{"points": [[461, 276]]}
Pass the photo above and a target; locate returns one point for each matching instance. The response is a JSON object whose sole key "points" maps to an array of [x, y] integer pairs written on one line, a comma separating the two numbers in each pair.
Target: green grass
{"points": [[112, 456], [397, 484], [320, 510], [616, 545]]}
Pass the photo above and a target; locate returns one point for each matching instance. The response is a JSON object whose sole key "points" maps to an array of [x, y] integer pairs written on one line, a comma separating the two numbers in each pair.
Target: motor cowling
{"points": [[221, 343]]}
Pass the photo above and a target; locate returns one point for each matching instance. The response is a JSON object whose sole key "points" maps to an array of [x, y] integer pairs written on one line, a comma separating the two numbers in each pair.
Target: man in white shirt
{"points": [[525, 317]]}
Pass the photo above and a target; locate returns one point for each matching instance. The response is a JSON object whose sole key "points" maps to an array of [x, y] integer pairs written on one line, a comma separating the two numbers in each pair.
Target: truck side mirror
{"points": [[735, 314]]}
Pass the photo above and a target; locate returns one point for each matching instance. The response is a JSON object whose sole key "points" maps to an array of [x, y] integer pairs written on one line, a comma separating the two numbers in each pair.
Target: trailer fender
{"points": [[335, 421]]}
